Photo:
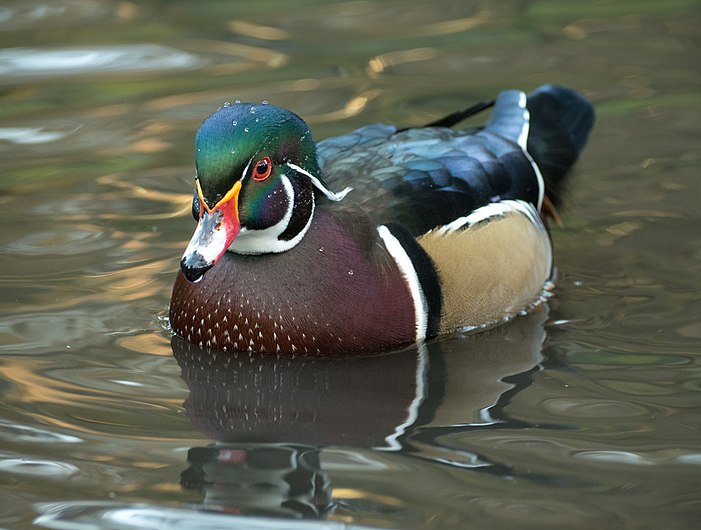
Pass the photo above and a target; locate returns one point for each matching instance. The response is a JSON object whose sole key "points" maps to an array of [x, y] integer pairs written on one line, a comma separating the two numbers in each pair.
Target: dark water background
{"points": [[586, 414]]}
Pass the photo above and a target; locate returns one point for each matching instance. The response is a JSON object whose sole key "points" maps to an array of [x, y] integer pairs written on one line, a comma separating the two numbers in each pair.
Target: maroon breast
{"points": [[329, 294]]}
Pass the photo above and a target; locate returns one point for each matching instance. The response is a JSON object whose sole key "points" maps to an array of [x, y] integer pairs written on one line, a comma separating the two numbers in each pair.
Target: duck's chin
{"points": [[283, 235], [267, 241]]}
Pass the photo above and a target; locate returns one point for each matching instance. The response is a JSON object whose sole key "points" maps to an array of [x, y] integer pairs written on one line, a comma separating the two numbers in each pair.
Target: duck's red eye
{"points": [[262, 169]]}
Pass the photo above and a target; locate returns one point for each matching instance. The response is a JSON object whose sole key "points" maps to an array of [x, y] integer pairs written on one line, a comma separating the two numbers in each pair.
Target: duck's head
{"points": [[257, 172]]}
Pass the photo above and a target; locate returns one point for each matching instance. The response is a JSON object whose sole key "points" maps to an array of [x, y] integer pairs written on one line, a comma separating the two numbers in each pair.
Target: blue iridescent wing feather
{"points": [[429, 176]]}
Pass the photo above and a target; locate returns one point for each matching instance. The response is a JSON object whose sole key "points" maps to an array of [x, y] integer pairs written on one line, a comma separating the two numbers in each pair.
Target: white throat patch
{"points": [[266, 241]]}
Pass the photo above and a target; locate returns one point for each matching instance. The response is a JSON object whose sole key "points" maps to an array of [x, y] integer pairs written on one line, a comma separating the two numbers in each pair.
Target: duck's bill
{"points": [[215, 231]]}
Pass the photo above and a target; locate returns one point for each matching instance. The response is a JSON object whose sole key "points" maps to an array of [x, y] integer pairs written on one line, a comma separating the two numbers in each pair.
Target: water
{"points": [[584, 414]]}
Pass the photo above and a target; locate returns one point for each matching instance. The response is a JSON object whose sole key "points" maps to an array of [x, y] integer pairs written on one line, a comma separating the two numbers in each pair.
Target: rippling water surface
{"points": [[584, 414]]}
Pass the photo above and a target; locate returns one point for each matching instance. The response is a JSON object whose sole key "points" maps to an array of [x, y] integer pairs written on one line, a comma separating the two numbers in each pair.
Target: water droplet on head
{"points": [[233, 151], [265, 102], [321, 249], [350, 272], [256, 120], [238, 101], [234, 123], [253, 110], [245, 129]]}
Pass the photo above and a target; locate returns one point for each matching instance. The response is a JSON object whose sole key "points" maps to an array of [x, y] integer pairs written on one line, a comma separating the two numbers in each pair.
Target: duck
{"points": [[378, 239]]}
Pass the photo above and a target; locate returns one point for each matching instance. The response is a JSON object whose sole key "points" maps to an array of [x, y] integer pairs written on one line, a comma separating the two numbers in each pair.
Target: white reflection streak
{"points": [[94, 515], [24, 433], [421, 369], [98, 59], [31, 135]]}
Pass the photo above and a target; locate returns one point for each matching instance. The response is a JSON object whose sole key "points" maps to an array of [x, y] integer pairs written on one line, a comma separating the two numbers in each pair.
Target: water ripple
{"points": [[662, 457], [28, 14], [31, 62], [590, 408], [34, 135], [691, 459], [97, 515], [619, 457], [12, 432], [549, 512], [57, 240], [37, 467]]}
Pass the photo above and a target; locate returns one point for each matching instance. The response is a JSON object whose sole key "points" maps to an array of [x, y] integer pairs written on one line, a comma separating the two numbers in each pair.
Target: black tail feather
{"points": [[560, 122]]}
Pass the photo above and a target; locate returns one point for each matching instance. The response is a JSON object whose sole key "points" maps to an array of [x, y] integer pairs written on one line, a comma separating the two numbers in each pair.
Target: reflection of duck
{"points": [[280, 479], [441, 230], [272, 416]]}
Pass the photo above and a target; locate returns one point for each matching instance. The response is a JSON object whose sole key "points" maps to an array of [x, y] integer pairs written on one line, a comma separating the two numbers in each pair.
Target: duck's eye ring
{"points": [[262, 169]]}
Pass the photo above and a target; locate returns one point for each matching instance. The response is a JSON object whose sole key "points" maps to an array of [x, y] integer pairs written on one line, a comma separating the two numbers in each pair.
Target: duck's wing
{"points": [[430, 176]]}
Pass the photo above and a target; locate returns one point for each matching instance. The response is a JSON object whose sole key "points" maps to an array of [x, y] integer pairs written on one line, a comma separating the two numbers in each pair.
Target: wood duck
{"points": [[376, 239]]}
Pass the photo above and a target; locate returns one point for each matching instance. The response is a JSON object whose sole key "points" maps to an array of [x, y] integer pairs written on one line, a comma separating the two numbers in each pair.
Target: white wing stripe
{"points": [[492, 210]]}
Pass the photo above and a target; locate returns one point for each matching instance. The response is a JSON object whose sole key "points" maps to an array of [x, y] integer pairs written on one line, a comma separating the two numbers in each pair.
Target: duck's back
{"points": [[426, 177]]}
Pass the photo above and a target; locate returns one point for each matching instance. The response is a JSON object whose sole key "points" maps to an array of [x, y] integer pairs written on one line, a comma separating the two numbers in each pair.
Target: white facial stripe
{"points": [[406, 267], [266, 241], [245, 171], [318, 185], [493, 210]]}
